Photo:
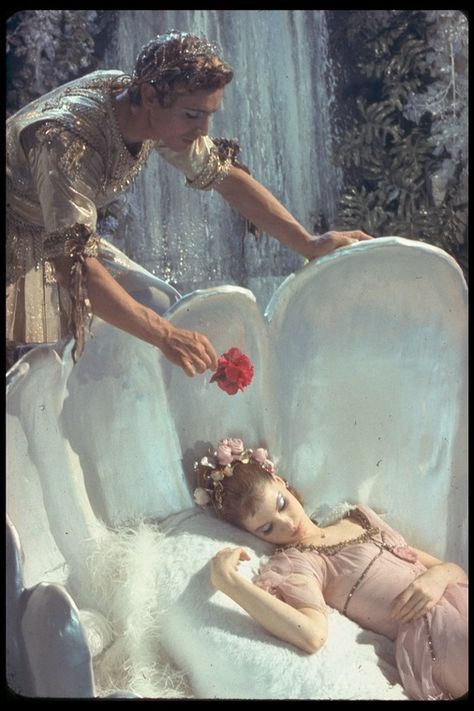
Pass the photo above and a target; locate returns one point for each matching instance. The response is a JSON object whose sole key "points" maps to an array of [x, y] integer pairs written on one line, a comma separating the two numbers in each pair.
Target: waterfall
{"points": [[278, 106]]}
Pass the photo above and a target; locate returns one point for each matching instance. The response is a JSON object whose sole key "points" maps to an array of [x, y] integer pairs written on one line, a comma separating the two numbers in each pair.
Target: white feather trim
{"points": [[326, 515], [123, 578], [97, 630]]}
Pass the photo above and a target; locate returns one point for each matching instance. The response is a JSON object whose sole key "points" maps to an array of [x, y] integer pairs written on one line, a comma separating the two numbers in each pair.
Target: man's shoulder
{"points": [[80, 106]]}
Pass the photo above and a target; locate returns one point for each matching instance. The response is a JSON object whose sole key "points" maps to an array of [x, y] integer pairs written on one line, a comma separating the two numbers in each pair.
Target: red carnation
{"points": [[234, 371]]}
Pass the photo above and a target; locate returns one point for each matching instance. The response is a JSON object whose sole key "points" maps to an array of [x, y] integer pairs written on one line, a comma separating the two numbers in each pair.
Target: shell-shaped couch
{"points": [[359, 395]]}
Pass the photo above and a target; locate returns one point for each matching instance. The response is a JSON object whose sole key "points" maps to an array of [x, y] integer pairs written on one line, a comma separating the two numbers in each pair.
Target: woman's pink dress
{"points": [[441, 633]]}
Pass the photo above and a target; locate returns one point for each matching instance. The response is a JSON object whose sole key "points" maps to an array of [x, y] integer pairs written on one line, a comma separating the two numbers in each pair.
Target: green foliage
{"points": [[388, 161]]}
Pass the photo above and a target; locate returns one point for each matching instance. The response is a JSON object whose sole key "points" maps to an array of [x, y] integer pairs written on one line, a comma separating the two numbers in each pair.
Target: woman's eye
{"points": [[282, 503], [192, 114]]}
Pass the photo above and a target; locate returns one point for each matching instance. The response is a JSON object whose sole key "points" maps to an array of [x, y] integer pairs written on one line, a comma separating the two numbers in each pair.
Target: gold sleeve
{"points": [[66, 172]]}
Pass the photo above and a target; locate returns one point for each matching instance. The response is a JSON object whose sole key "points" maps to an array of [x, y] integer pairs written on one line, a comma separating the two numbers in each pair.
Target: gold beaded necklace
{"points": [[128, 165]]}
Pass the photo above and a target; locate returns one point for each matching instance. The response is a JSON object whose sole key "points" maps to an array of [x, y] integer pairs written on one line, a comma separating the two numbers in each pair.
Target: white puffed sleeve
{"points": [[204, 163]]}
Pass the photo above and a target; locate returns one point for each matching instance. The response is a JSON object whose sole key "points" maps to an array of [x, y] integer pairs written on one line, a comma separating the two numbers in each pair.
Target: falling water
{"points": [[278, 106]]}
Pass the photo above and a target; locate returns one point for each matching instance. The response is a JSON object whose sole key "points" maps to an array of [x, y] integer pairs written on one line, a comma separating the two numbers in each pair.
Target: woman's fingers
{"points": [[413, 608], [224, 566], [410, 605], [232, 553], [400, 601]]}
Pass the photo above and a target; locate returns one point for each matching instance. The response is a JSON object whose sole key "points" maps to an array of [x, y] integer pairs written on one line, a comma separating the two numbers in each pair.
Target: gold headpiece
{"points": [[172, 57]]}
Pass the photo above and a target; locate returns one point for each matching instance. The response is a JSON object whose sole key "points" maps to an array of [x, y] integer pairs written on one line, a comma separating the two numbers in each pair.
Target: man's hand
{"points": [[190, 350], [320, 245]]}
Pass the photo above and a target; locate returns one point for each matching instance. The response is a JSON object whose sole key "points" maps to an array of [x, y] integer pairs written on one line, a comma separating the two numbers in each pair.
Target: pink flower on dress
{"points": [[405, 553]]}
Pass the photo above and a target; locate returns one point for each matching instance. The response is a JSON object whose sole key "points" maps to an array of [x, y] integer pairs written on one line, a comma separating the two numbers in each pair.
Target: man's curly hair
{"points": [[177, 63]]}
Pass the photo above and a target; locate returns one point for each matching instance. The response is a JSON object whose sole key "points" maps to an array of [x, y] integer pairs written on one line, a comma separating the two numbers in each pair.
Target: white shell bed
{"points": [[359, 395]]}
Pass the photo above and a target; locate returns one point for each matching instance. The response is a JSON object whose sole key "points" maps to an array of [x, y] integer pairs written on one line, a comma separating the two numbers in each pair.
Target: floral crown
{"points": [[221, 464], [170, 57]]}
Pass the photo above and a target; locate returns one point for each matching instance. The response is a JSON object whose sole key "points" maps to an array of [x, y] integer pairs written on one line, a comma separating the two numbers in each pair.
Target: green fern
{"points": [[386, 159]]}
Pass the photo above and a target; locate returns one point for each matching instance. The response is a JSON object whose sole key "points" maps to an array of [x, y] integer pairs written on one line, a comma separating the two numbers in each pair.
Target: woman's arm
{"points": [[453, 572], [305, 628], [258, 205], [188, 349], [427, 589]]}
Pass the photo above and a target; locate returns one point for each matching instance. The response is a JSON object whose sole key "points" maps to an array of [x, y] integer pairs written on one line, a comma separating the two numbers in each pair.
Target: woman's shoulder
{"points": [[378, 520], [283, 557], [294, 560], [367, 511], [283, 563]]}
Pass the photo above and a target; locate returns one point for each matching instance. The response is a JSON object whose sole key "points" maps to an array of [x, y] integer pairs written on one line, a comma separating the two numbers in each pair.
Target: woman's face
{"points": [[185, 120], [280, 518]]}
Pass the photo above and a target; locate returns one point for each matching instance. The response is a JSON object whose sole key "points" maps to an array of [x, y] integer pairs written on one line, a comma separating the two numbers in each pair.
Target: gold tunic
{"points": [[65, 159]]}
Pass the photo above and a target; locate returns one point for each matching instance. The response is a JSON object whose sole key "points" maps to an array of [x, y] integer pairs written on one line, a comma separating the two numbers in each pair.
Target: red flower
{"points": [[234, 371]]}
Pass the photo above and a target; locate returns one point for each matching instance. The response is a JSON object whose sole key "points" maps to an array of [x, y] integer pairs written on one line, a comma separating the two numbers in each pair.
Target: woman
{"points": [[75, 149], [358, 565]]}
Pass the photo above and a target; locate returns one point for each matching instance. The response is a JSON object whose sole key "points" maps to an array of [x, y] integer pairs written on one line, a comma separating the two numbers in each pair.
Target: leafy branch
{"points": [[390, 154]]}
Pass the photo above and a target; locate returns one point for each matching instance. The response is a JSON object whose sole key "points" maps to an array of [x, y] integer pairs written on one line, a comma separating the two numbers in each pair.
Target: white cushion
{"points": [[227, 655]]}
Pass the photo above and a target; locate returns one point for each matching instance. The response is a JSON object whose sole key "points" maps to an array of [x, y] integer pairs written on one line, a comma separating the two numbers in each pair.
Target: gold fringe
{"points": [[78, 247]]}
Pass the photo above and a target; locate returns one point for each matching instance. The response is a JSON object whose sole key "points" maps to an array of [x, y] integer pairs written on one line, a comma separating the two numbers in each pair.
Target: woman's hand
{"points": [[224, 567], [421, 595], [305, 628], [188, 349], [320, 245]]}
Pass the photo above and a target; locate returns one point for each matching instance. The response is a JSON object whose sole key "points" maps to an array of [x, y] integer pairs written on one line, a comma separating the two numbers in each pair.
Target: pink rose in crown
{"points": [[236, 445], [260, 455], [224, 452], [234, 371]]}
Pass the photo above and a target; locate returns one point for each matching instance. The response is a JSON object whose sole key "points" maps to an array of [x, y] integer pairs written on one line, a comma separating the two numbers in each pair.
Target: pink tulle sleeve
{"points": [[292, 578]]}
